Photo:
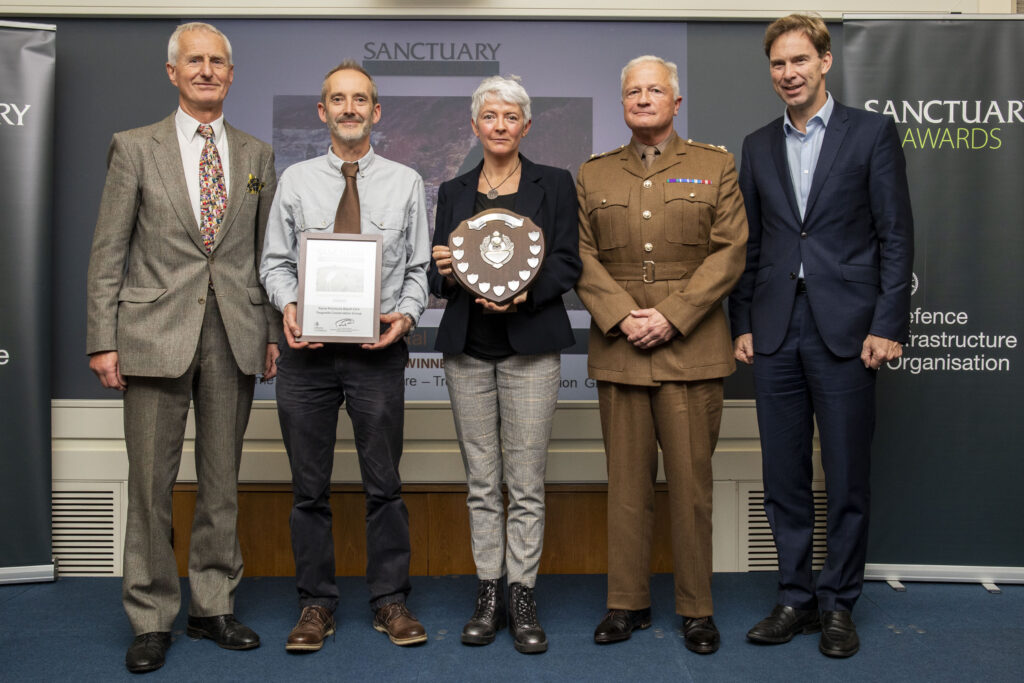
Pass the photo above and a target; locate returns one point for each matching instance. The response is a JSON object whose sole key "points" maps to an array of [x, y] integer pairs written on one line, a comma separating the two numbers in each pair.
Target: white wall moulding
{"points": [[88, 444], [487, 9]]}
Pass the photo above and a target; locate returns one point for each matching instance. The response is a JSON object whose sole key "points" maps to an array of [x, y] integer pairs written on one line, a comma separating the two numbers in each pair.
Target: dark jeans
{"points": [[311, 387]]}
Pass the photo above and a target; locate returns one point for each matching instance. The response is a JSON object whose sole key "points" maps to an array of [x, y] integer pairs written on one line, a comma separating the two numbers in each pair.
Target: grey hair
{"points": [[506, 88], [673, 71], [349, 65], [173, 47]]}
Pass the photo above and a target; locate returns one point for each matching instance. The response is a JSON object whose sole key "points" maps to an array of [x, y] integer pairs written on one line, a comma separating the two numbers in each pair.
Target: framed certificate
{"points": [[339, 287]]}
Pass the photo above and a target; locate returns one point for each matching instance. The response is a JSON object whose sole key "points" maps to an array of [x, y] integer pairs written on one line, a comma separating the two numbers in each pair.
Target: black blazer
{"points": [[540, 325], [856, 240]]}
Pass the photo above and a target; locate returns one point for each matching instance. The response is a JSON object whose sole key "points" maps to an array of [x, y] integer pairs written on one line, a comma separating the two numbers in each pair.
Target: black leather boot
{"points": [[522, 619], [489, 615]]}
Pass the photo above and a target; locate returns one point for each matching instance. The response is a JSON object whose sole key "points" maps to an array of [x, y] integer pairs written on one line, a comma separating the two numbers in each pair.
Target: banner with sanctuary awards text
{"points": [[947, 465], [26, 169]]}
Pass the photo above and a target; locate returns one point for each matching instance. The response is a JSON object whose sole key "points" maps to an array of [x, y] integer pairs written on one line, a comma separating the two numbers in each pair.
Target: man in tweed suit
{"points": [[175, 309]]}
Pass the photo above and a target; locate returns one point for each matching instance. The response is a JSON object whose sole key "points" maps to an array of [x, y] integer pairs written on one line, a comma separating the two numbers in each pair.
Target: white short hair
{"points": [[673, 71], [173, 48], [505, 88]]}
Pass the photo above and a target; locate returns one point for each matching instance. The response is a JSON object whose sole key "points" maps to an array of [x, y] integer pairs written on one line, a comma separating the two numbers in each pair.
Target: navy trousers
{"points": [[312, 385], [797, 384]]}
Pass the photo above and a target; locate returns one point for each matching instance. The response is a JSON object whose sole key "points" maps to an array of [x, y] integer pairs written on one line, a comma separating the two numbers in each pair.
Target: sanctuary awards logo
{"points": [[13, 114], [431, 58], [951, 124]]}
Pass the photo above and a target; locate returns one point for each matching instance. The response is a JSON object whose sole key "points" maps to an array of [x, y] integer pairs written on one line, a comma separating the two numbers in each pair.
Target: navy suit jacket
{"points": [[547, 195], [855, 240]]}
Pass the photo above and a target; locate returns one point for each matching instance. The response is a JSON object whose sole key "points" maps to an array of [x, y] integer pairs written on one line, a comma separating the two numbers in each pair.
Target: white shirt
{"points": [[191, 144]]}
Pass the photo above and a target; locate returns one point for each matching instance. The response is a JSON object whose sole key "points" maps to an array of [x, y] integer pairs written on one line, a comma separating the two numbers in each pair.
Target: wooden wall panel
{"points": [[574, 539]]}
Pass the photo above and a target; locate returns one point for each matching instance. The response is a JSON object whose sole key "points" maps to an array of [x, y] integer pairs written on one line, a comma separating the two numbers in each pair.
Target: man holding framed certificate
{"points": [[347, 246]]}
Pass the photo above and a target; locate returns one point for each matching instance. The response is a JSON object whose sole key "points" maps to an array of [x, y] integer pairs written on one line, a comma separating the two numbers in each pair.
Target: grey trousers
{"points": [[503, 412], [155, 410]]}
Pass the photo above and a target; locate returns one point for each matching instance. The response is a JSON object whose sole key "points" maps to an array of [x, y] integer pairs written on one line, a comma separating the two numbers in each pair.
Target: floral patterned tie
{"points": [[213, 196]]}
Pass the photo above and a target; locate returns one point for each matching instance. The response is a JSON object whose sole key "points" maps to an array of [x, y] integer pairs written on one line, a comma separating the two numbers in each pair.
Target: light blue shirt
{"points": [[391, 204], [802, 150]]}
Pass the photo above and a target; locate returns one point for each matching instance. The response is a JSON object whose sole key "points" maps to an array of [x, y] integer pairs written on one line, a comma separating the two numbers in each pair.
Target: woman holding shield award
{"points": [[505, 250]]}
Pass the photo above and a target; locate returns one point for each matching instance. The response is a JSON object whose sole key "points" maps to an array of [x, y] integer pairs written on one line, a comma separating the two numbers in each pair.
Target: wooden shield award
{"points": [[496, 254]]}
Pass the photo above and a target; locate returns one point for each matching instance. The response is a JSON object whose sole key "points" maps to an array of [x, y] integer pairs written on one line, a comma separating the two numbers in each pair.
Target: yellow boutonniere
{"points": [[254, 185]]}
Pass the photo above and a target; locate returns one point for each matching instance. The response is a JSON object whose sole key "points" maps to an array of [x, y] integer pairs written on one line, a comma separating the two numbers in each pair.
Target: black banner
{"points": [[947, 466], [26, 169]]}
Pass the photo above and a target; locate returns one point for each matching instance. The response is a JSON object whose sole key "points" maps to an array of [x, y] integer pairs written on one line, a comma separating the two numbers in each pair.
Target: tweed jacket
{"points": [[149, 273]]}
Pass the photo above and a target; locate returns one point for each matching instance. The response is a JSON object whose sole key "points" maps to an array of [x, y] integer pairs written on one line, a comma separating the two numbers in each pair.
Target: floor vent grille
{"points": [[87, 528], [760, 552]]}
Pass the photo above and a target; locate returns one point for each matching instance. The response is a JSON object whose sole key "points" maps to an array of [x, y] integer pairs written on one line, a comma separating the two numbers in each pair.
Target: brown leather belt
{"points": [[650, 271]]}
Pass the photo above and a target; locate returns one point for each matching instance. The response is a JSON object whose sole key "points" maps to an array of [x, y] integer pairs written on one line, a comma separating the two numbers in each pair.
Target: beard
{"points": [[347, 134]]}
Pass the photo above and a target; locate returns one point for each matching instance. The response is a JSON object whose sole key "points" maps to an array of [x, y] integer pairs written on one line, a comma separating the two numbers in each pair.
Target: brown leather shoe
{"points": [[315, 624], [398, 622]]}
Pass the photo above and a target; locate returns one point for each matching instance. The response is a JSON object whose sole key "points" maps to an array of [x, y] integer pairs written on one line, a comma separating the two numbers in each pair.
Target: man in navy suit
{"points": [[822, 304]]}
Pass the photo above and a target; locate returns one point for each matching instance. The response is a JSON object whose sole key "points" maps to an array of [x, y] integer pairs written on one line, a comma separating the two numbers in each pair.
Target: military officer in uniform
{"points": [[662, 239]]}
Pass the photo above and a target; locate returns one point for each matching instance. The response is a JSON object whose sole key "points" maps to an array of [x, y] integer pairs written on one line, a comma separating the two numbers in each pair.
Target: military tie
{"points": [[347, 217], [649, 153], [213, 196]]}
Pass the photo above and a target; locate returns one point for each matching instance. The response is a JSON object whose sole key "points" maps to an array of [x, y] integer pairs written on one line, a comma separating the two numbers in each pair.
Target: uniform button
{"points": [[648, 247], [803, 235], [646, 214], [792, 276], [648, 184], [693, 194], [202, 299]]}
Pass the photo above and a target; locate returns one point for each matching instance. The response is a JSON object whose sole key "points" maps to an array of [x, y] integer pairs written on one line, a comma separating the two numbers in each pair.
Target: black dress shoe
{"points": [[147, 652], [783, 623], [489, 616], [619, 623], [701, 635], [224, 630], [838, 635], [529, 637]]}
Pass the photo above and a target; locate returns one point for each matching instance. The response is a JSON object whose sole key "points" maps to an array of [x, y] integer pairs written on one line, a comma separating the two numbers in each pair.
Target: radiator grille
{"points": [[87, 528], [761, 554]]}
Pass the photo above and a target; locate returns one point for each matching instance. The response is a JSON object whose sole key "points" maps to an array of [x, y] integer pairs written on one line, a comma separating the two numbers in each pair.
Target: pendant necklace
{"points": [[493, 192]]}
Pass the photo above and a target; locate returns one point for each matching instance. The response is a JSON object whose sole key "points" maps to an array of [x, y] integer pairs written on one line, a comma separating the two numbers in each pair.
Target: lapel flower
{"points": [[254, 185]]}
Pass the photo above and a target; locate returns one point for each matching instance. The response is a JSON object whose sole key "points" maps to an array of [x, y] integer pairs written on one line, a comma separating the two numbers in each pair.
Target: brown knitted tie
{"points": [[346, 219]]}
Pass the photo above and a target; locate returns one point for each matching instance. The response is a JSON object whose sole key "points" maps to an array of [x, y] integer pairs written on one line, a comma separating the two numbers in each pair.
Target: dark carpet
{"points": [[74, 630]]}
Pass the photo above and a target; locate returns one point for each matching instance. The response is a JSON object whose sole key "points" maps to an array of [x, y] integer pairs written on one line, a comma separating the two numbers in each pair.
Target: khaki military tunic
{"points": [[649, 239], [672, 237]]}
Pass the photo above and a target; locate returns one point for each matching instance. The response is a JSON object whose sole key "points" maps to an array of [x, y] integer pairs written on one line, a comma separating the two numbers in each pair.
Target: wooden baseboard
{"points": [[575, 535]]}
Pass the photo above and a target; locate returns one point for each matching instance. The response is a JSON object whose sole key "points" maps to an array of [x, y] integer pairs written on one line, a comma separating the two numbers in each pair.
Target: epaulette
{"points": [[704, 145], [604, 154]]}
